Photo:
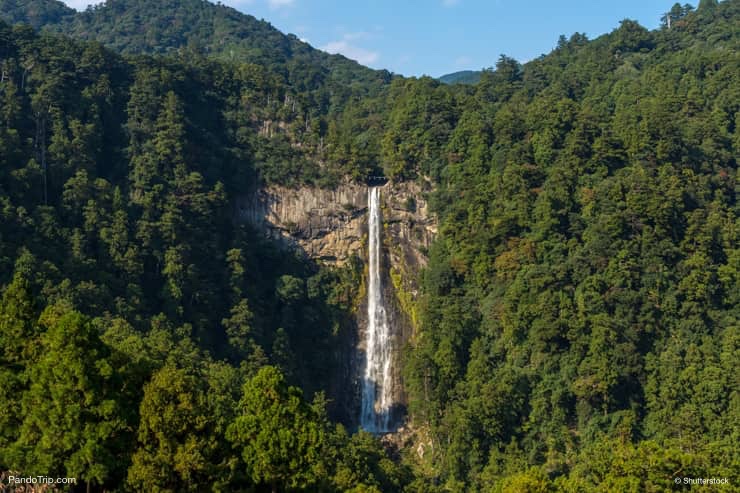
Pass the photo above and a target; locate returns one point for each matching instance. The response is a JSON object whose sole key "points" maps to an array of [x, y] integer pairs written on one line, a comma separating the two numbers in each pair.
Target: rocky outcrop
{"points": [[410, 229]]}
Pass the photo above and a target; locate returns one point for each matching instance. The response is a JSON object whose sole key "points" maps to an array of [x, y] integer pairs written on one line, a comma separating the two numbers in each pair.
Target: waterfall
{"points": [[377, 385]]}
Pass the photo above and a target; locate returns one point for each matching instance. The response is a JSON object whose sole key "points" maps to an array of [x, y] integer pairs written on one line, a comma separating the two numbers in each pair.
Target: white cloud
{"points": [[349, 45], [81, 4], [463, 61], [361, 55], [276, 4]]}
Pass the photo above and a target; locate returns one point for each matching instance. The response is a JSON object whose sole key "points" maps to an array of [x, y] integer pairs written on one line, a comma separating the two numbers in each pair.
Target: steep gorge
{"points": [[331, 226]]}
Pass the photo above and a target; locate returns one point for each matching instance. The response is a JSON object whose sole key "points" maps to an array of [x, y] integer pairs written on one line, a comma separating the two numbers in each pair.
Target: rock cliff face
{"points": [[326, 225], [330, 226]]}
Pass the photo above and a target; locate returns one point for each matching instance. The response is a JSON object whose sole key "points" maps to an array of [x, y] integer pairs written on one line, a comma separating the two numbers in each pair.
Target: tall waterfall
{"points": [[377, 387]]}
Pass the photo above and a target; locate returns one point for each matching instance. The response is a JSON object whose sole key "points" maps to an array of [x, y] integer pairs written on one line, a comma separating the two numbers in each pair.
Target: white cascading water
{"points": [[377, 388]]}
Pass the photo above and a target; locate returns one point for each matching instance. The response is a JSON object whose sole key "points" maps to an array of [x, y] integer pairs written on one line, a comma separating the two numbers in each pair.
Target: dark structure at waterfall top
{"points": [[374, 181]]}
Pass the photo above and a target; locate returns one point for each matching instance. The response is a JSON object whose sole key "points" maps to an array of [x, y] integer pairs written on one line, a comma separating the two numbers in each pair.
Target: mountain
{"points": [[36, 13], [168, 26], [462, 77], [572, 294], [137, 164], [287, 71]]}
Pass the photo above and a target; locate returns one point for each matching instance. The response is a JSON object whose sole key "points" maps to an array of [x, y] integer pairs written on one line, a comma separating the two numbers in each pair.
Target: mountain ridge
{"points": [[461, 77], [36, 13], [168, 26]]}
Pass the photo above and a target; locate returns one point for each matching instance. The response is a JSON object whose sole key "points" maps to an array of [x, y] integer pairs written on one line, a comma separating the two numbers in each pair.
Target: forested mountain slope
{"points": [[134, 307], [462, 77], [313, 105], [578, 322], [166, 26], [579, 328], [36, 13]]}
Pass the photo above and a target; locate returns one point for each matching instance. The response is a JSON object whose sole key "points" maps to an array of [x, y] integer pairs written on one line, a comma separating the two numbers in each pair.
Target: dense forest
{"points": [[586, 337], [578, 324], [173, 26]]}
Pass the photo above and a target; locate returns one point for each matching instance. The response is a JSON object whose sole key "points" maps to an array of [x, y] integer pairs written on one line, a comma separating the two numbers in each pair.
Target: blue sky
{"points": [[435, 37]]}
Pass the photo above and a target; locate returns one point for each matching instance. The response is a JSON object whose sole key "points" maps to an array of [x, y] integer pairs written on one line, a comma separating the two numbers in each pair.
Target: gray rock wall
{"points": [[331, 225]]}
